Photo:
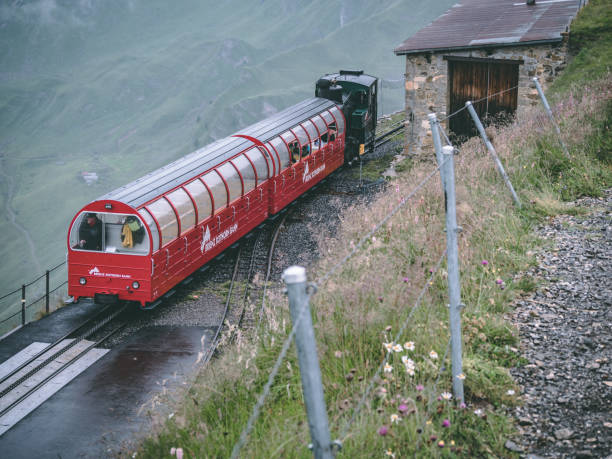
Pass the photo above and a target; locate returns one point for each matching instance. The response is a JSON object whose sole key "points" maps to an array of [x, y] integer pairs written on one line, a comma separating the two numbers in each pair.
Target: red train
{"points": [[138, 241]]}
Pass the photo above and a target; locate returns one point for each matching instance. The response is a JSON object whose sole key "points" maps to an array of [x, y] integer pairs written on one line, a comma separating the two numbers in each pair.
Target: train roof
{"points": [[353, 76], [166, 178]]}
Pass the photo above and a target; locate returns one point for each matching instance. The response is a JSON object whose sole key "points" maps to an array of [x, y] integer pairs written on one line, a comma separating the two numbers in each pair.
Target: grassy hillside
{"points": [[122, 87], [363, 306]]}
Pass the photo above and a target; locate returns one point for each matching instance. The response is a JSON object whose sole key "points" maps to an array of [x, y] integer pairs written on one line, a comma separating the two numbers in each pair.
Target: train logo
{"points": [[205, 239], [208, 243], [94, 271], [309, 175]]}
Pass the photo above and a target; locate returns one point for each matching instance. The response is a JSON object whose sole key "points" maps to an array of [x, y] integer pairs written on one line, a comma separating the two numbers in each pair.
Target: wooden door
{"points": [[490, 85]]}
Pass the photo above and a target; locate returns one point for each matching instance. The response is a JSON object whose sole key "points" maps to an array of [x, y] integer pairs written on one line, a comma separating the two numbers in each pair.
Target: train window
{"points": [[146, 216], [262, 158], [292, 144], [301, 134], [184, 207], [247, 172], [283, 152], [166, 218], [230, 174], [272, 157], [201, 197], [289, 138], [339, 119], [321, 126], [111, 233], [329, 120], [217, 188], [312, 132]]}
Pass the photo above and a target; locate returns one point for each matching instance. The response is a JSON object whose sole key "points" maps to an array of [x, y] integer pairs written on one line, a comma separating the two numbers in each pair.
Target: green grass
{"points": [[363, 306]]}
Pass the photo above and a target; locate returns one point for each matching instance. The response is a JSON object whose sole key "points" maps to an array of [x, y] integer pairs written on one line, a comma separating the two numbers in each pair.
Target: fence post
{"points": [[435, 134], [23, 306], [452, 257], [491, 149], [295, 279], [47, 291], [550, 114]]}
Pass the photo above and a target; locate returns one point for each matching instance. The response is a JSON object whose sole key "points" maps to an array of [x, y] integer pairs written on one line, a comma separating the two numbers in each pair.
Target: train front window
{"points": [[110, 233]]}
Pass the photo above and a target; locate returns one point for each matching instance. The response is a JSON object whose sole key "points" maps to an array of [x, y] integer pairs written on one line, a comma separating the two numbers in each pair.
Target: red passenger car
{"points": [[138, 241]]}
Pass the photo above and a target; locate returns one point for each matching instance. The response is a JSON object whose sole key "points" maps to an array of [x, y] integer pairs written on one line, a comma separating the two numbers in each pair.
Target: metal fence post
{"points": [[435, 134], [452, 257], [47, 291], [23, 306], [550, 115], [295, 279], [491, 149]]}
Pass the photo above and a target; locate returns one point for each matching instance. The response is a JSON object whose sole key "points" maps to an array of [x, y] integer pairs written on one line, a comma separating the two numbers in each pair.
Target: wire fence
{"points": [[345, 429]]}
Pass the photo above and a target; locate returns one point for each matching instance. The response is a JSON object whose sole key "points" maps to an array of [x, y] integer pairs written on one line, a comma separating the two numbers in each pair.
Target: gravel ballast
{"points": [[565, 337]]}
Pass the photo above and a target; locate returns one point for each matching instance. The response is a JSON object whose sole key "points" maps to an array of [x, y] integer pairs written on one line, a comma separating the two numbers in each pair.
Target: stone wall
{"points": [[427, 83]]}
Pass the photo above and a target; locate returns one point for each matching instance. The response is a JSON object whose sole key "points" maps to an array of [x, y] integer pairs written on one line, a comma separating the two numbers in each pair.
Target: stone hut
{"points": [[482, 50]]}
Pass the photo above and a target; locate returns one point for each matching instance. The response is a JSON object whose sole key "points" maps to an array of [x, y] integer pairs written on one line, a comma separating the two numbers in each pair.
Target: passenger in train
{"points": [[295, 152], [90, 233]]}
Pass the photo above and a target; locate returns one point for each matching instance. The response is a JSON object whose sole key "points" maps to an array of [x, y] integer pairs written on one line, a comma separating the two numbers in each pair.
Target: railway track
{"points": [[246, 289], [36, 371]]}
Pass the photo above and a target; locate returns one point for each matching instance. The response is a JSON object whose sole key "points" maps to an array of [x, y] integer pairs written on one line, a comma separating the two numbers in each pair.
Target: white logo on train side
{"points": [[208, 243], [96, 273], [309, 175]]}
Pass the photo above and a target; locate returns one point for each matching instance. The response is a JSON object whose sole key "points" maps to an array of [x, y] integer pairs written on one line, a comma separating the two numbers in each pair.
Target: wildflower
{"points": [[498, 281], [446, 395], [373, 238], [460, 376], [388, 346], [405, 279], [462, 406], [407, 361], [433, 437], [397, 347], [338, 354], [388, 368], [478, 412], [419, 387], [410, 371], [389, 453], [441, 444], [510, 392], [403, 408], [380, 298], [446, 423], [484, 262], [433, 355], [409, 346], [383, 431], [395, 418]]}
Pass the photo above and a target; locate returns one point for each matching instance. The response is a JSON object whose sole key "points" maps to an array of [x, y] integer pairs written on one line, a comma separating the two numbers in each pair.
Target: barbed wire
{"points": [[433, 393], [266, 390], [448, 142], [490, 96], [362, 241], [398, 335]]}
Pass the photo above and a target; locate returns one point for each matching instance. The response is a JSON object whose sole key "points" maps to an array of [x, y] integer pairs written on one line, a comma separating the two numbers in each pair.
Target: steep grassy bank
{"points": [[362, 307]]}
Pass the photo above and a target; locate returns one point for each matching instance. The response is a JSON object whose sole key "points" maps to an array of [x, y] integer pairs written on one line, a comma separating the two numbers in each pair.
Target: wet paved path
{"points": [[105, 408]]}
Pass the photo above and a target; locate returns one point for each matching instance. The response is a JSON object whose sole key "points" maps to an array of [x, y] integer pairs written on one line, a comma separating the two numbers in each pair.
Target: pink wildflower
{"points": [[402, 408], [383, 431], [446, 423], [484, 262], [419, 387]]}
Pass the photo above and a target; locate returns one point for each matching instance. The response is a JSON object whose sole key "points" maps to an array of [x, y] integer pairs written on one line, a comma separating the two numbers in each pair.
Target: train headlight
{"points": [[135, 285], [82, 281]]}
